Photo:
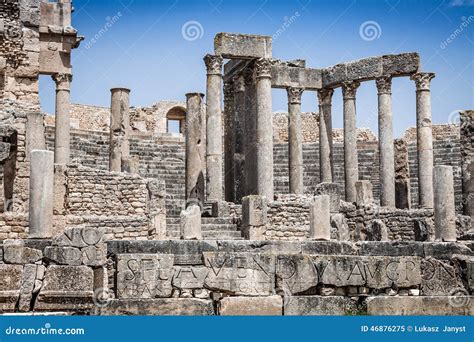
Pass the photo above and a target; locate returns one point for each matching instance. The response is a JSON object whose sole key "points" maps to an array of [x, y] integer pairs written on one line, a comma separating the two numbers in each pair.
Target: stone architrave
{"points": [[325, 135], [387, 153], [320, 218], [119, 128], [62, 135], [444, 206], [295, 140], [264, 138], [214, 146], [424, 138], [247, 274], [195, 149], [351, 166], [144, 275], [41, 194]]}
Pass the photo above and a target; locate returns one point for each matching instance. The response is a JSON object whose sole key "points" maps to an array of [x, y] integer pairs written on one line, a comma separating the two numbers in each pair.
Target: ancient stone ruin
{"points": [[246, 212]]}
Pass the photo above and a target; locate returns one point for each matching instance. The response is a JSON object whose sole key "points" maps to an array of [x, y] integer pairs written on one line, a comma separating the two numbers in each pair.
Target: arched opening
{"points": [[175, 120]]}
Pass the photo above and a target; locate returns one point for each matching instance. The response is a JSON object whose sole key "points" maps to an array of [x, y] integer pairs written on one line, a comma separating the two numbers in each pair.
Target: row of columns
{"points": [[385, 135]]}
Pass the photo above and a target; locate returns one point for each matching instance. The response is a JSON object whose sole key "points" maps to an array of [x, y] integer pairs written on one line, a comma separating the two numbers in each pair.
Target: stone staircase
{"points": [[213, 228]]}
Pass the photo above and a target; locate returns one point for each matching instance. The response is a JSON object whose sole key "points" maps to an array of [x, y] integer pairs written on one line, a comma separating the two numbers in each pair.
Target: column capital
{"points": [[62, 80], [422, 80], [294, 94], [213, 64], [239, 83], [263, 68], [349, 89], [325, 96], [384, 84]]}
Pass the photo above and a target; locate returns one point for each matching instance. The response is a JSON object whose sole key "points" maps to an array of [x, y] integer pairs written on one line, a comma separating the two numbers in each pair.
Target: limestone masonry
{"points": [[244, 211]]}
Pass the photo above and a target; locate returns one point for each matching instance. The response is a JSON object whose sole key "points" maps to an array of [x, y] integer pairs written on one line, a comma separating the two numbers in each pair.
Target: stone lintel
{"points": [[242, 46]]}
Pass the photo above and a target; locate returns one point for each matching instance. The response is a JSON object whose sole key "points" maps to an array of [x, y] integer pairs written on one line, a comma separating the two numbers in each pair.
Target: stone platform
{"points": [[85, 275]]}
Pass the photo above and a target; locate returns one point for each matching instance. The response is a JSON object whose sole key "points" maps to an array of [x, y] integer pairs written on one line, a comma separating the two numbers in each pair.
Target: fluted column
{"points": [[214, 184], [62, 134], [119, 128], [195, 149], [239, 137], [295, 140], [424, 138], [229, 142], [264, 128], [351, 170], [386, 148], [325, 135]]}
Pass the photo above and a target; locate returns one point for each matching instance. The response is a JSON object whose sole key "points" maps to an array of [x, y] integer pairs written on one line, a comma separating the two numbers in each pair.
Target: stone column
{"points": [[351, 170], [386, 148], [229, 142], [320, 218], [62, 134], [119, 128], [295, 140], [250, 137], [41, 194], [264, 128], [325, 135], [35, 138], [239, 137], [444, 206], [195, 149], [214, 128], [424, 138]]}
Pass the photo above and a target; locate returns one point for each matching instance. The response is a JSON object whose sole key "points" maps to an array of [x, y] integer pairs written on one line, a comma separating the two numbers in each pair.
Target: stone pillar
{"points": [[229, 142], [351, 171], [295, 140], [190, 224], [254, 217], [250, 138], [35, 138], [41, 194], [214, 128], [364, 193], [444, 206], [386, 149], [402, 175], [424, 138], [62, 134], [264, 165], [325, 135], [320, 218], [239, 137], [119, 128], [195, 149], [467, 161]]}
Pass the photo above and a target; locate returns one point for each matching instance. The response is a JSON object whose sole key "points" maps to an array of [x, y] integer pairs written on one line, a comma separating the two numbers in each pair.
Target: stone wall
{"points": [[79, 272]]}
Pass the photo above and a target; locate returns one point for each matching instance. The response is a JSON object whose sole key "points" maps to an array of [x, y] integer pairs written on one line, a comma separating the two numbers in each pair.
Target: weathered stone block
{"points": [[158, 307], [376, 231], [251, 306], [364, 193], [66, 288], [284, 76], [94, 255], [254, 217], [339, 223], [334, 75], [14, 252], [27, 285], [80, 237], [421, 305], [144, 275], [186, 277], [320, 218], [439, 278], [191, 223], [248, 274], [64, 255], [295, 274], [367, 68], [321, 306], [10, 282], [242, 46], [401, 65], [333, 190]]}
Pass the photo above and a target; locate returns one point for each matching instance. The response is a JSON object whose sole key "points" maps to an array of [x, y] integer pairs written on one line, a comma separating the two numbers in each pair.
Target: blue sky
{"points": [[144, 48]]}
